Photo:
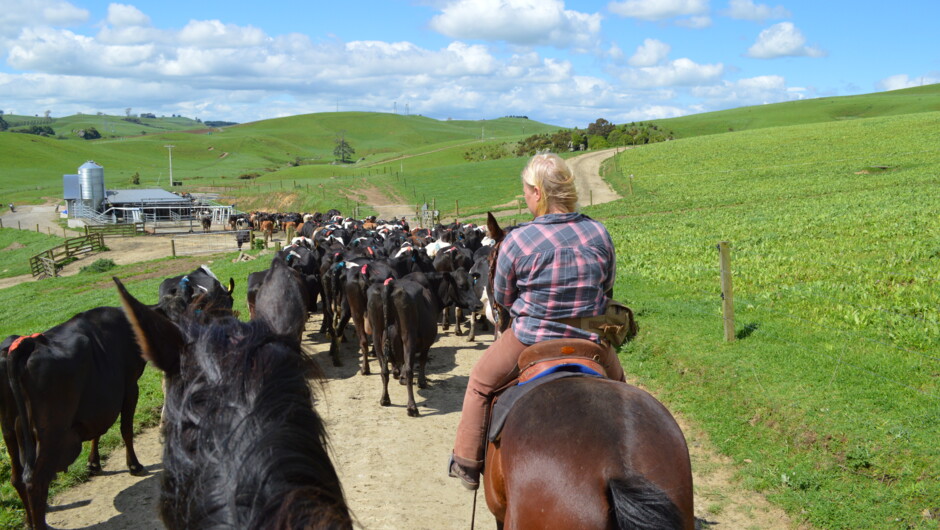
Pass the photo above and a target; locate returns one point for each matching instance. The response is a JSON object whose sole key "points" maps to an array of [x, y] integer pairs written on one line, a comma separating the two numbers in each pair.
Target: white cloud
{"points": [[748, 10], [751, 91], [896, 82], [215, 34], [522, 22], [650, 53], [121, 16], [655, 10], [681, 72], [29, 13], [782, 40]]}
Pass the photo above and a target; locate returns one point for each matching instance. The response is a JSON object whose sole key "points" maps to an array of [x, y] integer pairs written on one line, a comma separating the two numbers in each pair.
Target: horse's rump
{"points": [[568, 448]]}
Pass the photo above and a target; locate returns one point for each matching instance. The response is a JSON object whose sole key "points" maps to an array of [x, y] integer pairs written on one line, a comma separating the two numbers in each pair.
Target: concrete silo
{"points": [[91, 183]]}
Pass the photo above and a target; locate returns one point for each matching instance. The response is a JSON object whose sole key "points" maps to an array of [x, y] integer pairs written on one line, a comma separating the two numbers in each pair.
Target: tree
{"points": [[135, 178], [601, 127], [343, 151]]}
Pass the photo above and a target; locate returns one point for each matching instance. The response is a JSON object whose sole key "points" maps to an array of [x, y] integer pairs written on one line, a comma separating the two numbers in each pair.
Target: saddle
{"points": [[542, 363]]}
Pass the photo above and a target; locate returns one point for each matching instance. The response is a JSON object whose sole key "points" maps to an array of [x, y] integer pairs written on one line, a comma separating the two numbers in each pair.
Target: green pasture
{"points": [[37, 306], [829, 401], [17, 246], [205, 158], [821, 110]]}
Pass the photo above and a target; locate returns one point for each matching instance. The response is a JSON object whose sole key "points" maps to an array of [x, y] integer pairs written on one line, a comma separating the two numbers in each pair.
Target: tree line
{"points": [[599, 135]]}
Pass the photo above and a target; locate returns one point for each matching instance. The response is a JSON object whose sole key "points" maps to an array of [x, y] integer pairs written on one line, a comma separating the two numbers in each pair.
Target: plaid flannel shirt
{"points": [[557, 266]]}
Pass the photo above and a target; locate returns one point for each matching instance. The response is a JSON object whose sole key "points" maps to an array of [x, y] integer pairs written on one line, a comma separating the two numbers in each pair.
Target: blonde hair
{"points": [[550, 174]]}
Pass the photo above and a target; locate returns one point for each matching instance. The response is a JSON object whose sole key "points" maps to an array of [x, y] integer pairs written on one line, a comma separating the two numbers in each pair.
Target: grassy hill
{"points": [[299, 146], [821, 110]]}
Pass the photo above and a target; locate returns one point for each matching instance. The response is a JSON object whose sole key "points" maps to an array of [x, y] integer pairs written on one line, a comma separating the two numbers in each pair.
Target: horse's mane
{"points": [[244, 446]]}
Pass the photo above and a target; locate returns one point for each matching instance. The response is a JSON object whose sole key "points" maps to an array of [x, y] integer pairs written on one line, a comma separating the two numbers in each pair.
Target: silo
{"points": [[91, 181]]}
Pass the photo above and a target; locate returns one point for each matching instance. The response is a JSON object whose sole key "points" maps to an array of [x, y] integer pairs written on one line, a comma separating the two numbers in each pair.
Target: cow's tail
{"points": [[18, 355], [386, 309], [336, 292], [639, 504]]}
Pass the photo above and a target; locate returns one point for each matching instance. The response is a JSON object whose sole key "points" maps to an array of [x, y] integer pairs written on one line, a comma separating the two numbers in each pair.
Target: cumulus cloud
{"points": [[748, 10], [655, 10], [649, 53], [680, 72], [782, 40], [121, 15], [522, 22], [29, 13], [896, 82]]}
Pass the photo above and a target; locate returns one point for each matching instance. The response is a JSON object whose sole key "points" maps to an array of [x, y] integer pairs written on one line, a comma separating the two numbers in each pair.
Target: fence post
{"points": [[173, 247], [727, 293], [457, 206], [631, 183], [1, 222], [592, 197], [37, 229]]}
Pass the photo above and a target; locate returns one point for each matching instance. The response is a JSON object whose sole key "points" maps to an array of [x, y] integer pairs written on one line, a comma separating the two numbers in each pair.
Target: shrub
{"points": [[100, 265]]}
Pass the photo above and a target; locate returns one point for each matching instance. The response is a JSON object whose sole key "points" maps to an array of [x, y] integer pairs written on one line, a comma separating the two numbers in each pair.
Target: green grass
{"points": [[17, 246], [821, 110], [832, 389]]}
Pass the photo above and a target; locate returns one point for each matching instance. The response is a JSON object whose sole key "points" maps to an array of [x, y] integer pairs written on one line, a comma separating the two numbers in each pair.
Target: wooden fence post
{"points": [[631, 183], [727, 292], [37, 229], [457, 206], [173, 247]]}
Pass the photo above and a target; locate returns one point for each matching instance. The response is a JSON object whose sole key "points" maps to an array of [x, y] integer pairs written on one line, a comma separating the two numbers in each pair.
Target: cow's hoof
{"points": [[458, 333], [385, 402], [137, 469], [422, 384], [413, 413], [365, 371], [336, 362], [94, 469]]}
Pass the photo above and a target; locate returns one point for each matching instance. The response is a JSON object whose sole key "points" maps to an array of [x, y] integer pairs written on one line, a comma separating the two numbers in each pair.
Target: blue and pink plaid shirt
{"points": [[557, 266]]}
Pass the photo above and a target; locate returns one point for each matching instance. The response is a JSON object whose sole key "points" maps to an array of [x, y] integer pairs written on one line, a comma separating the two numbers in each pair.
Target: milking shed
{"points": [[88, 201]]}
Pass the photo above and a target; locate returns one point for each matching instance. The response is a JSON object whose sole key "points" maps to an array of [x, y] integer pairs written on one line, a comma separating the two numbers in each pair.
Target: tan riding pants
{"points": [[496, 368]]}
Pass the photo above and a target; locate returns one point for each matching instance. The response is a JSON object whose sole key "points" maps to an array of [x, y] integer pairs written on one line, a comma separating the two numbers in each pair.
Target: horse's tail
{"points": [[638, 504]]}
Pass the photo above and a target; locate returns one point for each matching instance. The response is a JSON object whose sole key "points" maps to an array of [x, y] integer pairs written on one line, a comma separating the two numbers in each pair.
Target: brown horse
{"points": [[586, 452]]}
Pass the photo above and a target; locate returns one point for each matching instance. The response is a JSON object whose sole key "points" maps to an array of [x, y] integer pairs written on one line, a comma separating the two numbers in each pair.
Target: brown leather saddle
{"points": [[541, 363]]}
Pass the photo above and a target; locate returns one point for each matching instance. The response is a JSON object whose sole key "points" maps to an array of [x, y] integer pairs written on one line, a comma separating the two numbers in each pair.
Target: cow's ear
{"points": [[231, 285], [160, 340], [493, 227]]}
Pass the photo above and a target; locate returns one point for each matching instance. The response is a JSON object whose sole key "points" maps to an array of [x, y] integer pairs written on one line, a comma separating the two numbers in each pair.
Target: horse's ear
{"points": [[493, 227], [160, 340]]}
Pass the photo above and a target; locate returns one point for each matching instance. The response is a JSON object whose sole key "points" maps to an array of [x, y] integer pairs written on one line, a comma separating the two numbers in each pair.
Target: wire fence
{"points": [[206, 243]]}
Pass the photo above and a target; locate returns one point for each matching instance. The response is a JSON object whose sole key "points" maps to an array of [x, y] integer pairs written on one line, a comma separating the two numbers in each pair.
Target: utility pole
{"points": [[170, 150]]}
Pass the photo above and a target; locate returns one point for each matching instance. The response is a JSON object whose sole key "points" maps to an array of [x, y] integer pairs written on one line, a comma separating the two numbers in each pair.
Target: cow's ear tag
{"points": [[160, 340]]}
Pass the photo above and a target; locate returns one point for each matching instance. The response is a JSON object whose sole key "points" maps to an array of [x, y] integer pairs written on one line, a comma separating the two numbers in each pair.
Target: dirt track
{"points": [[392, 466]]}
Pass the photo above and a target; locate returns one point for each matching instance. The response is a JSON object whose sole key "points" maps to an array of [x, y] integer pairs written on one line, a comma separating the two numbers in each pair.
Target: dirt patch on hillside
{"points": [[15, 246]]}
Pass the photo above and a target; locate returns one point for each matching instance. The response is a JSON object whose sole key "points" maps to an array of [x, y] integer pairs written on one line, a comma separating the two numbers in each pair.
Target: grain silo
{"points": [[91, 184]]}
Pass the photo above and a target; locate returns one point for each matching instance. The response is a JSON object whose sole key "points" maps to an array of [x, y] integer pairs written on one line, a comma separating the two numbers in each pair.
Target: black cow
{"points": [[60, 388], [480, 278], [453, 258], [281, 300], [356, 285], [200, 287], [403, 315]]}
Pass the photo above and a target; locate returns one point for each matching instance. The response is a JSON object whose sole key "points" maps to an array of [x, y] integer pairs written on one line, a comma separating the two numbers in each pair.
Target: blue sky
{"points": [[561, 62]]}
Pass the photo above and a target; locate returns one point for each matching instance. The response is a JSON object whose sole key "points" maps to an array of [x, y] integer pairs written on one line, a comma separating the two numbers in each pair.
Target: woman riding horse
{"points": [[550, 273]]}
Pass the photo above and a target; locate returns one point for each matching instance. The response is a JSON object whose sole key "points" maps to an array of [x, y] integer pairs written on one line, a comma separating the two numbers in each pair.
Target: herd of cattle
{"points": [[69, 384]]}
